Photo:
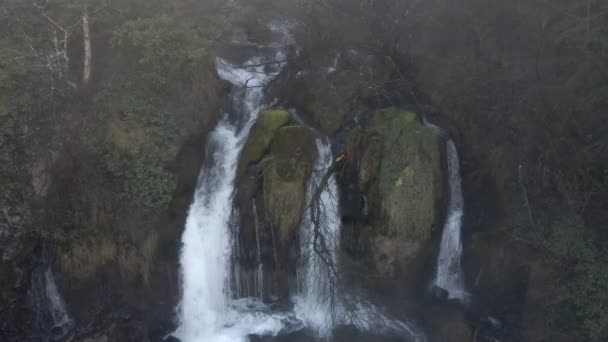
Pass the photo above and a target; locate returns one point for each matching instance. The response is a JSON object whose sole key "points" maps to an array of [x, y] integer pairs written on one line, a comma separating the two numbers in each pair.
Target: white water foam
{"points": [[322, 302], [59, 313], [207, 312], [315, 303], [449, 274]]}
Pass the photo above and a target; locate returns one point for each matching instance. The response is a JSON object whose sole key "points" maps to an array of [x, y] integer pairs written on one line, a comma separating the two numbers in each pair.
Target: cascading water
{"points": [[207, 312], [449, 274], [322, 301], [52, 321], [259, 277], [62, 323], [315, 304]]}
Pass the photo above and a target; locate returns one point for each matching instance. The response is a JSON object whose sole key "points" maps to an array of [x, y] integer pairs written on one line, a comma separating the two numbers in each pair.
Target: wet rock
{"points": [[439, 293], [406, 191], [447, 322], [350, 333], [296, 336]]}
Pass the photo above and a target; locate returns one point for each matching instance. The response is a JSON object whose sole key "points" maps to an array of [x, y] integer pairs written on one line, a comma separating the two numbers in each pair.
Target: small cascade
{"points": [[449, 274], [62, 323], [51, 320], [316, 304], [323, 302], [207, 311], [260, 269]]}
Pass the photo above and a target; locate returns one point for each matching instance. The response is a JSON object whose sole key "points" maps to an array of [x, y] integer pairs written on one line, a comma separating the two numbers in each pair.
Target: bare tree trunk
{"points": [[86, 33]]}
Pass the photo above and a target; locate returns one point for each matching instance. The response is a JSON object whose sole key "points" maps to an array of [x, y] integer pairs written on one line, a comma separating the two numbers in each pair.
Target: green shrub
{"points": [[163, 48], [585, 290], [150, 185], [145, 181]]}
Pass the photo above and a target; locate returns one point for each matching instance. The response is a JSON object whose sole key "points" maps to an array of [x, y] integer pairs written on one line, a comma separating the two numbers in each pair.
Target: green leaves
{"points": [[586, 293], [145, 179], [141, 166], [163, 48]]}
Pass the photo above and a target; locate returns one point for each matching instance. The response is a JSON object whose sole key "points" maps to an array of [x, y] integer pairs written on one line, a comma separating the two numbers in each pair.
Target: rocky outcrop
{"points": [[395, 164], [410, 178], [274, 168]]}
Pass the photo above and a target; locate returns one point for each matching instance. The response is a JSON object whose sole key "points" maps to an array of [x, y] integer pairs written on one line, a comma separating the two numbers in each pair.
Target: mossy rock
{"points": [[409, 181], [285, 172], [261, 135]]}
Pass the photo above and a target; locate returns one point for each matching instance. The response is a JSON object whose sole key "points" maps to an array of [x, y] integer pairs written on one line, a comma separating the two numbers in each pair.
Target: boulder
{"points": [[396, 165], [410, 177]]}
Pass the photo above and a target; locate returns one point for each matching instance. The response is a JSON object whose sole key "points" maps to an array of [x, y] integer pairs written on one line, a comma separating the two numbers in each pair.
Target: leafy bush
{"points": [[150, 185], [164, 48], [145, 180], [585, 293]]}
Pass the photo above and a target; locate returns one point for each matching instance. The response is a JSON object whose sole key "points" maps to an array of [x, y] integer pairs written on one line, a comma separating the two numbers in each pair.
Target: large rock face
{"points": [[274, 168], [285, 173], [410, 178], [396, 165]]}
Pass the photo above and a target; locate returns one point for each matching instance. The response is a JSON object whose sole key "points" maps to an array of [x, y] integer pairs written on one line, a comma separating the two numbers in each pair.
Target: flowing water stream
{"points": [[449, 274], [207, 311], [315, 303], [323, 301], [51, 320]]}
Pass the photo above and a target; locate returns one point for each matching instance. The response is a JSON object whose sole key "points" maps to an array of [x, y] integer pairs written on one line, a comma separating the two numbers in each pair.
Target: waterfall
{"points": [[207, 311], [259, 278], [449, 272], [323, 302], [316, 304], [51, 319], [62, 323]]}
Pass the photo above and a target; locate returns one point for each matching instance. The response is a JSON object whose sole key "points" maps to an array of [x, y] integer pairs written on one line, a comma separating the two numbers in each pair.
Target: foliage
{"points": [[150, 185], [14, 197], [161, 131], [585, 294], [164, 48], [145, 180]]}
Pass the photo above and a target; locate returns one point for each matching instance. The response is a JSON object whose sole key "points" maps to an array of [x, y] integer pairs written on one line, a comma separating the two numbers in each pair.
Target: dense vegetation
{"points": [[146, 55], [523, 86]]}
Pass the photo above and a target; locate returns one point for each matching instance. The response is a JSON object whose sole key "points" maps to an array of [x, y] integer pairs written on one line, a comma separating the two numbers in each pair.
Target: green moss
{"points": [[410, 176], [285, 172], [261, 136], [273, 119]]}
